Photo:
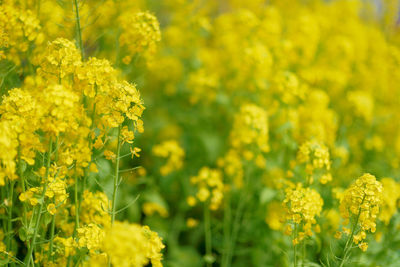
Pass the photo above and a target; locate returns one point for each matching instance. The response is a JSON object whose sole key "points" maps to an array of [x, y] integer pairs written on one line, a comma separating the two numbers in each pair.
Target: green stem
{"points": [[10, 208], [295, 247], [116, 180], [76, 205], [53, 226], [39, 215], [53, 220], [22, 179], [207, 232], [38, 8], [236, 220], [78, 28], [227, 227], [116, 177], [24, 217], [346, 249]]}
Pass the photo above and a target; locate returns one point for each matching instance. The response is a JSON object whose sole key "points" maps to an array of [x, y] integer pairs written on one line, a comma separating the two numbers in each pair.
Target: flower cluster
{"points": [[210, 188], [302, 206], [250, 130], [282, 99], [66, 110], [172, 151], [140, 33], [390, 196], [317, 162], [360, 207], [20, 30], [137, 245]]}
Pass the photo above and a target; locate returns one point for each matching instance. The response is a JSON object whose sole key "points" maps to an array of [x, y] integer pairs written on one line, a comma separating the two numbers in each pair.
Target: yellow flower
{"points": [[135, 152], [210, 187], [60, 59], [140, 32], [302, 205], [361, 201], [191, 201], [51, 208], [250, 128], [316, 158], [109, 155], [90, 236], [275, 215], [126, 135], [363, 246], [390, 195], [338, 235], [94, 209], [191, 222], [149, 208], [137, 245], [174, 154]]}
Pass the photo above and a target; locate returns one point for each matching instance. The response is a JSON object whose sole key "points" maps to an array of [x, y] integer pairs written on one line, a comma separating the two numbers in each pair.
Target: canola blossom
{"points": [[199, 133]]}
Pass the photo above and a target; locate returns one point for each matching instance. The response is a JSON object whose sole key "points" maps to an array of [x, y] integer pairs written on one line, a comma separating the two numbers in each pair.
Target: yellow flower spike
{"points": [[302, 205], [136, 244], [250, 127], [149, 208], [210, 187], [140, 32], [90, 236], [361, 202], [173, 152]]}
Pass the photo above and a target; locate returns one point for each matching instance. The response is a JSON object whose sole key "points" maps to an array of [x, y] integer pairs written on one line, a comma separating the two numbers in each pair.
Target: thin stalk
{"points": [[39, 215], [83, 188], [235, 231], [53, 220], [53, 226], [116, 180], [38, 8], [22, 179], [24, 217], [236, 221], [207, 232], [295, 246], [227, 227], [348, 242], [76, 205], [346, 249], [10, 208], [78, 28], [116, 177]]}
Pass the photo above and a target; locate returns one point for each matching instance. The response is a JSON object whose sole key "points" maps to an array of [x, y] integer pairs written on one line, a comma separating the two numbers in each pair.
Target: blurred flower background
{"points": [[199, 133]]}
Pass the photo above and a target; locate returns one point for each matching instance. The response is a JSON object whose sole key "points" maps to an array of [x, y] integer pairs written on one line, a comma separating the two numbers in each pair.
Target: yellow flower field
{"points": [[187, 133]]}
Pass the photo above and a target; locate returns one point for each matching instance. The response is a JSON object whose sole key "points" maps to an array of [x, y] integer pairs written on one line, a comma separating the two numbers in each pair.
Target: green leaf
{"points": [[22, 234], [267, 194]]}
